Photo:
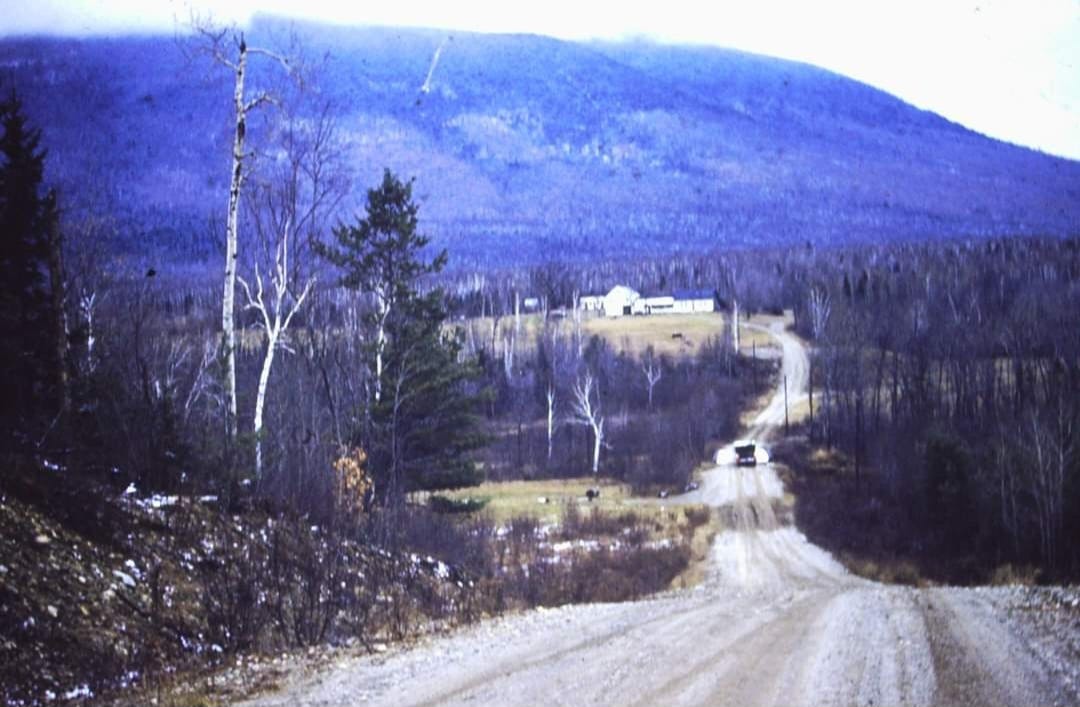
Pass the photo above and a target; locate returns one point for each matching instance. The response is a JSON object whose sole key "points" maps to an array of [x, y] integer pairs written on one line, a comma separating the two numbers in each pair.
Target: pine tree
{"points": [[424, 427], [419, 424], [28, 224]]}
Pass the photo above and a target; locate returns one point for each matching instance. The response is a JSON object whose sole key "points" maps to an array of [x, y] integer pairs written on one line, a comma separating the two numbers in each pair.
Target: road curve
{"points": [[777, 621]]}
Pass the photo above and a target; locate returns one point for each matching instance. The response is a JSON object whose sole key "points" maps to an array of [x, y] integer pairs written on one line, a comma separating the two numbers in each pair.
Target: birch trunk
{"points": [[550, 420], [260, 400], [598, 439], [228, 325], [588, 413], [735, 326], [380, 346], [276, 321]]}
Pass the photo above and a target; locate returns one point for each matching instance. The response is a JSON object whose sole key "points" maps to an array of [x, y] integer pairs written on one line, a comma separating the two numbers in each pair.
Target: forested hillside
{"points": [[522, 144]]}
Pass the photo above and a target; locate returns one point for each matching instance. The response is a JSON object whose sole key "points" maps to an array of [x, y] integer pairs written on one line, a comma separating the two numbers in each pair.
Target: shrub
{"points": [[596, 523], [697, 516], [353, 483], [444, 504], [1026, 575]]}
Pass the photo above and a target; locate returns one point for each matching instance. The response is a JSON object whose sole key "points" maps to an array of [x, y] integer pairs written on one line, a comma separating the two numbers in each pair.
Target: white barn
{"points": [[620, 301], [623, 301]]}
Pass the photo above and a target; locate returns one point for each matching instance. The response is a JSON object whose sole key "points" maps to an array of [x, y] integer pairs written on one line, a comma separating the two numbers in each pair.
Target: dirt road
{"points": [[777, 622]]}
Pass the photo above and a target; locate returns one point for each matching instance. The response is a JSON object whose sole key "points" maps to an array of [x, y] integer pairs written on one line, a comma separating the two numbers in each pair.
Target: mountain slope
{"points": [[528, 146]]}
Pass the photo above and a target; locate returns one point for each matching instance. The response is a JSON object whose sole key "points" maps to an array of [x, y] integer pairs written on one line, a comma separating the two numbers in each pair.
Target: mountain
{"points": [[528, 148]]}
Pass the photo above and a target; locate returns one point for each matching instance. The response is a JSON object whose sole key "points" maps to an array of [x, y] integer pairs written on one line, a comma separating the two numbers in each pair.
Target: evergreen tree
{"points": [[419, 426], [28, 222], [424, 427]]}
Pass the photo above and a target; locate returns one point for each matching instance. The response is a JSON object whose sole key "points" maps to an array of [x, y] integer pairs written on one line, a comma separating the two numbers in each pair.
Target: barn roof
{"points": [[694, 294], [623, 291]]}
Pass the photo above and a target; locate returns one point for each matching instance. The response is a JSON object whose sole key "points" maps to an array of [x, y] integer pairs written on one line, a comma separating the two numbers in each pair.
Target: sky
{"points": [[1007, 68]]}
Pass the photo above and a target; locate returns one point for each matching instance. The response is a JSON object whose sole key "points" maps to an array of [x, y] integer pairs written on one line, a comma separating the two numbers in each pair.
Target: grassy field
{"points": [[506, 499], [669, 334], [748, 338], [546, 499]]}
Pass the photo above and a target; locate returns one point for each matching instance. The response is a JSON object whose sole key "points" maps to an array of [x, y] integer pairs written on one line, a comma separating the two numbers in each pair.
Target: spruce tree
{"points": [[27, 219], [419, 426]]}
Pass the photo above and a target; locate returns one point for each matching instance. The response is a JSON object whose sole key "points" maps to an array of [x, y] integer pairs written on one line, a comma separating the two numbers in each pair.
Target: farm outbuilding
{"points": [[658, 304], [591, 303], [694, 301]]}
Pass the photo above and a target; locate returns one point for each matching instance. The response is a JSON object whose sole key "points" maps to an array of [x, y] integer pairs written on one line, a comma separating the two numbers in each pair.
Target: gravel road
{"points": [[776, 622]]}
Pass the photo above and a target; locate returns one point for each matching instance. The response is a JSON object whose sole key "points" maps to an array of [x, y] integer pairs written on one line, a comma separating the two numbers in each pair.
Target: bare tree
{"points": [[653, 372], [551, 350], [1052, 449], [228, 47], [304, 184], [87, 306], [820, 308], [587, 412], [549, 396], [276, 314], [201, 380]]}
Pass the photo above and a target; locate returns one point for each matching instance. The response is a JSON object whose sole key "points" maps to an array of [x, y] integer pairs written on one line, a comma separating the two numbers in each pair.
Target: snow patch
{"points": [[124, 577]]}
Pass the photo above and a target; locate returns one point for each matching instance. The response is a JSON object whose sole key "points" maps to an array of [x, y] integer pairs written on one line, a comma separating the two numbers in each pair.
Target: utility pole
{"points": [[858, 442], [785, 407], [753, 367], [735, 325]]}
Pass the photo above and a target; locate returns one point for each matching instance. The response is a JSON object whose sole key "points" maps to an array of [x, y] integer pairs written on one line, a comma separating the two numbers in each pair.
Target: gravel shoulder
{"points": [[777, 621]]}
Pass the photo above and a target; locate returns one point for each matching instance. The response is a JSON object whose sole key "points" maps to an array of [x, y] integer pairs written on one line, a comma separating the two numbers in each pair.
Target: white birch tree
{"points": [[229, 48], [653, 372], [276, 313], [587, 413], [820, 309]]}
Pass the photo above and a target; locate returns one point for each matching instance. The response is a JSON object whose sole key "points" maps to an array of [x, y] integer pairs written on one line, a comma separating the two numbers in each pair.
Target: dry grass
{"points": [[701, 542], [531, 326], [625, 334], [749, 338], [800, 410], [669, 334], [510, 499], [507, 499]]}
